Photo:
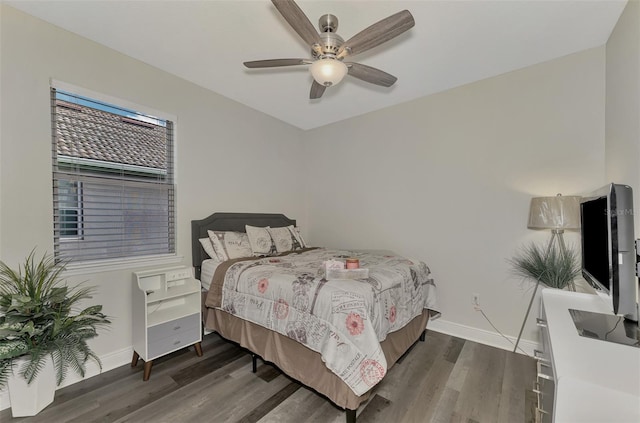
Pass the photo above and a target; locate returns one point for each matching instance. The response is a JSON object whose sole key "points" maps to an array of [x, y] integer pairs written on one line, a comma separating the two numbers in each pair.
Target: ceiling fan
{"points": [[328, 49]]}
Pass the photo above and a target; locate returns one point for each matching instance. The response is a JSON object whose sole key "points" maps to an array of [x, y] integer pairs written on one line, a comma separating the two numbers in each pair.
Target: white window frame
{"points": [[87, 267]]}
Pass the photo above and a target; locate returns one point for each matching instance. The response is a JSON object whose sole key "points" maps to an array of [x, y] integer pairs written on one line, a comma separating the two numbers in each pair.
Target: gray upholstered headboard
{"points": [[229, 222]]}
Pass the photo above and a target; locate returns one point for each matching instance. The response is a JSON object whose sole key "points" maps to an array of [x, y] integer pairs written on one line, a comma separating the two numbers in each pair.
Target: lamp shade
{"points": [[559, 212], [328, 72]]}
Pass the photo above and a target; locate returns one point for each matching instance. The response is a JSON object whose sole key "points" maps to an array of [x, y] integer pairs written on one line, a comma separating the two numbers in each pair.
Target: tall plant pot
{"points": [[29, 400]]}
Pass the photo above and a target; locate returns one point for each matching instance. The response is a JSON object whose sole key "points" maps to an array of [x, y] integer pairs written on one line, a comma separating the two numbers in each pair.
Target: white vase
{"points": [[29, 400]]}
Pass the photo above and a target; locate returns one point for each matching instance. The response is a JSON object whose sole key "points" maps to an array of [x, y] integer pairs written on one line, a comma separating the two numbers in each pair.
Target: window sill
{"points": [[121, 264]]}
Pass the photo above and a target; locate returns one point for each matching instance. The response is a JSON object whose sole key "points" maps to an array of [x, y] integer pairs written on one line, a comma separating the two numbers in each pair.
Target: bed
{"points": [[235, 294]]}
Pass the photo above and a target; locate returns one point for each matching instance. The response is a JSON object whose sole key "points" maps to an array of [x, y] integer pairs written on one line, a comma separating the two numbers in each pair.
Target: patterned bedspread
{"points": [[343, 320]]}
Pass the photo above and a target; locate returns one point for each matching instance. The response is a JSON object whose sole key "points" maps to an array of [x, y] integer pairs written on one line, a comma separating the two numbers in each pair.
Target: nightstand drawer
{"points": [[163, 330], [173, 342]]}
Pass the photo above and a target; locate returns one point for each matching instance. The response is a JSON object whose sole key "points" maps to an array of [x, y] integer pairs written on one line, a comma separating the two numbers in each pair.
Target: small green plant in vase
{"points": [[41, 319], [555, 267]]}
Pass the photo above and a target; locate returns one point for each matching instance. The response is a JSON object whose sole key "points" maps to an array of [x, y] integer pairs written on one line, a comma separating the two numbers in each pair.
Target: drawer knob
{"points": [[176, 342], [177, 327]]}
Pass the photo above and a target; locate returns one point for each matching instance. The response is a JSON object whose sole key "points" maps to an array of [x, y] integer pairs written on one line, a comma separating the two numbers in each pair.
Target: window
{"points": [[113, 187], [70, 209]]}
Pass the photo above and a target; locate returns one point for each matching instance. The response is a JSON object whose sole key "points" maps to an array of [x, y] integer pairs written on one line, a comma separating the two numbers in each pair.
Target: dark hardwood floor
{"points": [[444, 379]]}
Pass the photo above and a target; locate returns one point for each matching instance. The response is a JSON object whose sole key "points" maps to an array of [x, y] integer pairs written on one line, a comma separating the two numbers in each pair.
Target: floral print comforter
{"points": [[343, 320]]}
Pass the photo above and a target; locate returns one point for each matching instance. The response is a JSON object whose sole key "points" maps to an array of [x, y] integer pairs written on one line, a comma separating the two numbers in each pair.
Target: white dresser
{"points": [[580, 379], [166, 314]]}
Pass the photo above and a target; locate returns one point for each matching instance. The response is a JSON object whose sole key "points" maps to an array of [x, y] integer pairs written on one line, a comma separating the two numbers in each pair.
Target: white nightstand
{"points": [[166, 314]]}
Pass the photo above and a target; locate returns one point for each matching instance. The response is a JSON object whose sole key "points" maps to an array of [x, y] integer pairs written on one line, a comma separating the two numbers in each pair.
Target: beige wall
{"points": [[448, 179], [623, 103], [229, 157]]}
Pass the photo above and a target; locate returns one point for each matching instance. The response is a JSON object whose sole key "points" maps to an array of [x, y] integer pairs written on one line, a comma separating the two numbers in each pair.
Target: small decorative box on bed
{"points": [[336, 333], [347, 274]]}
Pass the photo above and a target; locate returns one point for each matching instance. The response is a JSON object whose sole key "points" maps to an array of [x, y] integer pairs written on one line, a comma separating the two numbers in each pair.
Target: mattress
{"points": [[209, 267]]}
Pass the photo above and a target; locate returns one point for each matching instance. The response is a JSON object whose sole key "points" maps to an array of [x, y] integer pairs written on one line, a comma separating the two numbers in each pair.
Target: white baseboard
{"points": [[481, 336], [109, 362]]}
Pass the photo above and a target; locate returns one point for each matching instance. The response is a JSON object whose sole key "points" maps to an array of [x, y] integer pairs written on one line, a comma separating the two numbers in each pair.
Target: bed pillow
{"points": [[207, 246], [285, 239], [230, 245], [218, 246], [298, 235], [260, 240]]}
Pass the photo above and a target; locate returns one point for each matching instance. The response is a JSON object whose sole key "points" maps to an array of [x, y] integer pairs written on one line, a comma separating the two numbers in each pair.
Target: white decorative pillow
{"points": [[260, 240], [208, 247], [218, 246], [285, 239], [230, 245], [298, 236]]}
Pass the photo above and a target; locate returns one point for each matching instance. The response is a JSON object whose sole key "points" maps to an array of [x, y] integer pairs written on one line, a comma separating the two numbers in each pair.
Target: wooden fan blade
{"points": [[371, 75], [274, 63], [378, 33], [292, 13], [316, 90]]}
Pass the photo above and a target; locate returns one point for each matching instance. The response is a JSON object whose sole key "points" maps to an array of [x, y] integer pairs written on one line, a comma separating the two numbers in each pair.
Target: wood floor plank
{"points": [[517, 375], [453, 349], [116, 404], [462, 366], [206, 365], [270, 403], [268, 372], [326, 413], [432, 388], [232, 398], [480, 394], [252, 392], [444, 379], [299, 407], [531, 403], [445, 406], [376, 406], [408, 387], [404, 377]]}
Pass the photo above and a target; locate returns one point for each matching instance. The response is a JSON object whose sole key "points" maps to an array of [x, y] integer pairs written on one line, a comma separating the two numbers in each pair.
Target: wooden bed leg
{"points": [[423, 336], [254, 363], [351, 415]]}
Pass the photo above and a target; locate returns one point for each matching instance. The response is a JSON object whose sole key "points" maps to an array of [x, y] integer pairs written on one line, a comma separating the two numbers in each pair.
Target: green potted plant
{"points": [[555, 267], [42, 326]]}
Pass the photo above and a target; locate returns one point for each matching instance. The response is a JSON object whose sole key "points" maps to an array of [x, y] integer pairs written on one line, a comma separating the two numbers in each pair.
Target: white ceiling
{"points": [[453, 43]]}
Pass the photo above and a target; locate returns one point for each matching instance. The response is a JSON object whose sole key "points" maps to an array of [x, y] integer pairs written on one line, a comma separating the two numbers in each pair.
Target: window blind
{"points": [[113, 182]]}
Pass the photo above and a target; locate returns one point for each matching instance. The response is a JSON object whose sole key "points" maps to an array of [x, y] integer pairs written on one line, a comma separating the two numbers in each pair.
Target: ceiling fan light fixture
{"points": [[327, 71]]}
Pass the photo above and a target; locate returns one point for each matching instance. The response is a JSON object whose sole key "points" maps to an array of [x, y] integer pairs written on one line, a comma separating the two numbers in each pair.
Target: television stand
{"points": [[582, 379]]}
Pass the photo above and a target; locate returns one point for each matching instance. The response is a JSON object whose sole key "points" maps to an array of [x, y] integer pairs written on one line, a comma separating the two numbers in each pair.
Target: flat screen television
{"points": [[608, 247]]}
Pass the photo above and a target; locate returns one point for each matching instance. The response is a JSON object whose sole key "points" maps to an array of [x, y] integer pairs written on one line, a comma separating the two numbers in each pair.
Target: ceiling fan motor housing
{"points": [[328, 23], [331, 41]]}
